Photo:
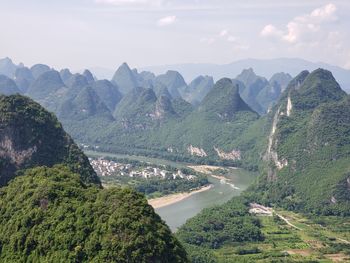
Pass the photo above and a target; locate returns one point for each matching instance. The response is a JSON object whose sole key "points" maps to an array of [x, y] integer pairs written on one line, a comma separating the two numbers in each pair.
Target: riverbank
{"points": [[206, 169], [174, 198]]}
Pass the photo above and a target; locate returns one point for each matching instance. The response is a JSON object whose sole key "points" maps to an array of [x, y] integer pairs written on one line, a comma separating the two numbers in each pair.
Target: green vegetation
{"points": [[315, 141], [108, 93], [198, 89], [61, 214], [304, 165], [51, 215], [31, 137], [320, 239], [223, 120], [150, 115], [312, 141], [155, 186], [52, 82], [222, 225], [85, 104]]}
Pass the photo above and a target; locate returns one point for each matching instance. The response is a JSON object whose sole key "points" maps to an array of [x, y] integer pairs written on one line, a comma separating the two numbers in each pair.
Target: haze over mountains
{"points": [[295, 132], [259, 95], [229, 122], [262, 67], [144, 113]]}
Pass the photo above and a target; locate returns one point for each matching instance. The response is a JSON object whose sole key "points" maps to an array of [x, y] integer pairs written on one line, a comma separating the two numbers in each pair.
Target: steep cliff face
{"points": [[164, 108], [30, 136], [283, 108], [307, 154]]}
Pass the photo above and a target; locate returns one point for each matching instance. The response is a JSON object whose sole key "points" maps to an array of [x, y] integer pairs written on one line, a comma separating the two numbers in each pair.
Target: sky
{"points": [[88, 33]]}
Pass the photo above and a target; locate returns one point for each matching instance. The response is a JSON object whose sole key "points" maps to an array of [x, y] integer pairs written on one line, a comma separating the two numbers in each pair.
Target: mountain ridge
{"points": [[305, 163], [263, 67]]}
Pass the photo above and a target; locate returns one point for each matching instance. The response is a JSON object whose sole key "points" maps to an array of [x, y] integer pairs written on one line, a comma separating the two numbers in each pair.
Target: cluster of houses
{"points": [[105, 167]]}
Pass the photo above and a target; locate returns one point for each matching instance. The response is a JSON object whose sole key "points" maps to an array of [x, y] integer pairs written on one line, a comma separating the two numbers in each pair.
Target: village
{"points": [[104, 167]]}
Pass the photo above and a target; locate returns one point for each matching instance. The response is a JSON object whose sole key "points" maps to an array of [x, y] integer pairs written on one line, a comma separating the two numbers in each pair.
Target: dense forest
{"points": [[51, 215], [52, 205]]}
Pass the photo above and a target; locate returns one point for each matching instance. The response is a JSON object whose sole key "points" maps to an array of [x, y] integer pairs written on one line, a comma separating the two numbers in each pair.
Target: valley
{"points": [[206, 155], [152, 179], [175, 131], [295, 237], [175, 209]]}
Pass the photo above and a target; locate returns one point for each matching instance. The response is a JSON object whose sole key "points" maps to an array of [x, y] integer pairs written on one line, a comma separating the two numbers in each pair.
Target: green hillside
{"points": [[52, 206], [8, 86], [50, 215], [305, 168], [308, 154], [108, 93], [30, 136], [52, 82], [125, 79], [160, 126]]}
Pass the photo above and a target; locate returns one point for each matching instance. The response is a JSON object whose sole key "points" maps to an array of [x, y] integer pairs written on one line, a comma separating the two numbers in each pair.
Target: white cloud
{"points": [[327, 12], [223, 32], [305, 28], [316, 34], [271, 30], [224, 36], [165, 21]]}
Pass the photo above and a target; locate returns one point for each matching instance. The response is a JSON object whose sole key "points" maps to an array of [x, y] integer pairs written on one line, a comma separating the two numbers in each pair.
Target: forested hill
{"points": [[308, 155], [31, 136], [221, 129], [53, 208], [143, 113], [305, 168]]}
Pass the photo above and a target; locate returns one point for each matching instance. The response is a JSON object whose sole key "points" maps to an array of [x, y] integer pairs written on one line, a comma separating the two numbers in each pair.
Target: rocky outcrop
{"points": [[195, 151], [233, 155], [289, 106], [271, 153], [16, 156], [30, 136], [163, 108]]}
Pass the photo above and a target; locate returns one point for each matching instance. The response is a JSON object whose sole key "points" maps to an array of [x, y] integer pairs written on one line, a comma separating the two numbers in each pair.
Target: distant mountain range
{"points": [[143, 113], [163, 115], [262, 67], [294, 131], [257, 91]]}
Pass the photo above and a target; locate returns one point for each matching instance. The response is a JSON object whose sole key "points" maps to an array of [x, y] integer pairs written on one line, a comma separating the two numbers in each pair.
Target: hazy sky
{"points": [[86, 33]]}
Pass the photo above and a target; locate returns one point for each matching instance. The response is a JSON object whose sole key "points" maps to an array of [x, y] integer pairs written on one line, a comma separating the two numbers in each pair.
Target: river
{"points": [[176, 214]]}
